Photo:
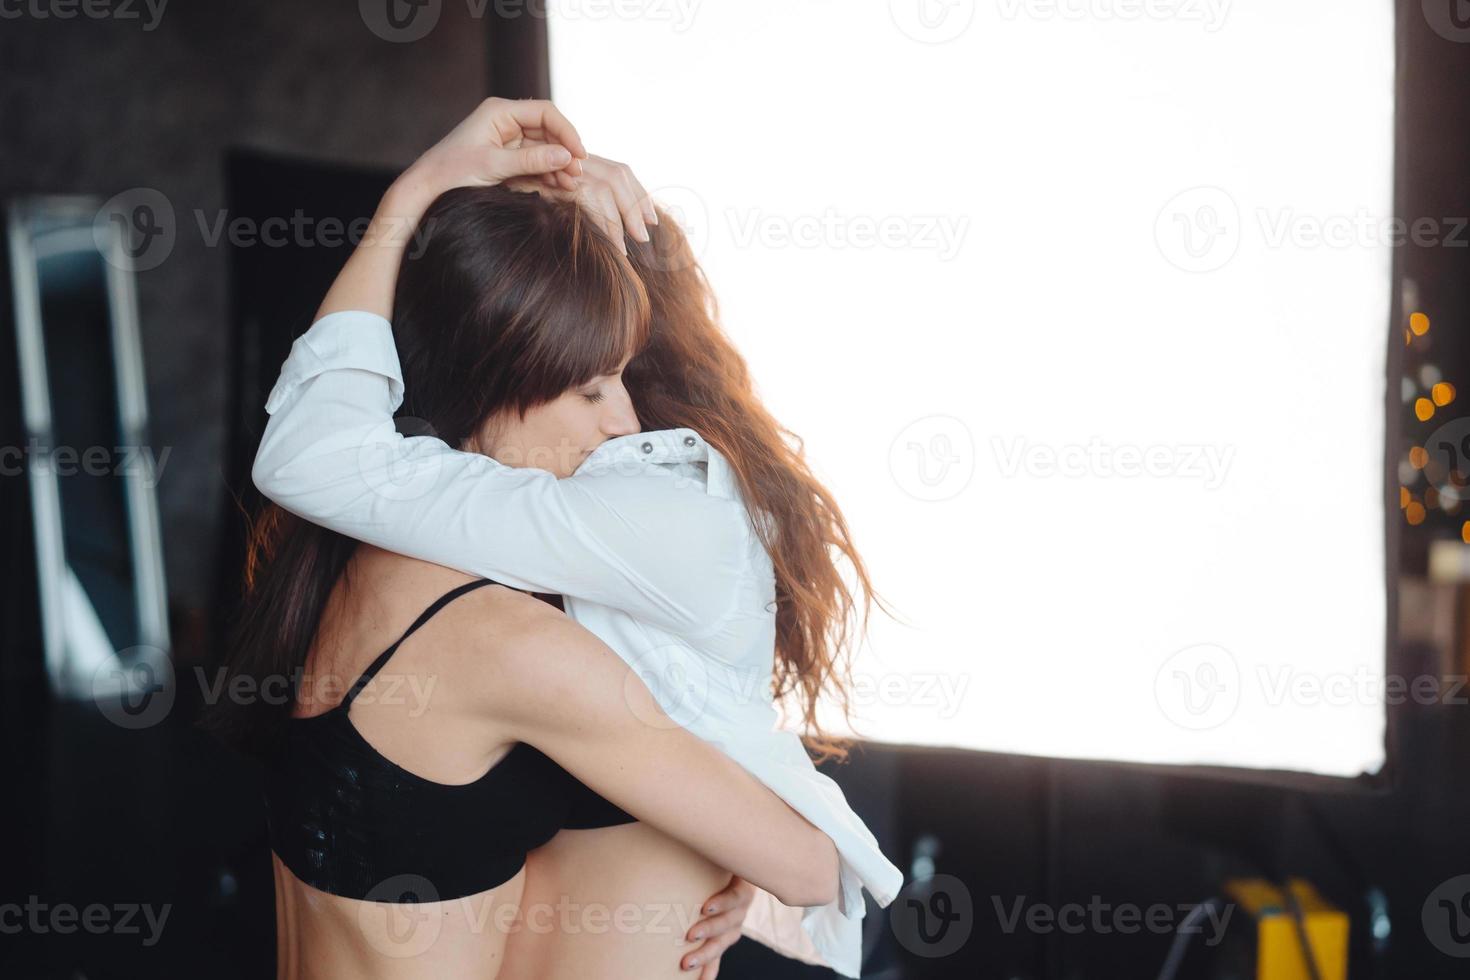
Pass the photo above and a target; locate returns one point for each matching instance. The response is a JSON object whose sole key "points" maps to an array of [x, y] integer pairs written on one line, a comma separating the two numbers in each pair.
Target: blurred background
{"points": [[1158, 725]]}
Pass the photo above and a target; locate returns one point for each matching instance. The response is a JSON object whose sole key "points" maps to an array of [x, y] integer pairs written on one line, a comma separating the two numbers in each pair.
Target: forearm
{"points": [[367, 280], [715, 807], [586, 709]]}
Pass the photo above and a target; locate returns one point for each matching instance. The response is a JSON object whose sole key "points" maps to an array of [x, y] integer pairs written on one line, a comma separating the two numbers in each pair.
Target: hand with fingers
{"points": [[528, 145], [719, 928], [501, 140], [606, 189]]}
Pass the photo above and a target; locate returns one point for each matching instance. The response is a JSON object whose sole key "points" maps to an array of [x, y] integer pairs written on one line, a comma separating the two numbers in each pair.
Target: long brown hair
{"points": [[512, 300], [691, 376]]}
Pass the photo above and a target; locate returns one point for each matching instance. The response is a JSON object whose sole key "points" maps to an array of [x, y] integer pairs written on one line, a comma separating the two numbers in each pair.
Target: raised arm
{"points": [[588, 711], [659, 548], [656, 546], [501, 140]]}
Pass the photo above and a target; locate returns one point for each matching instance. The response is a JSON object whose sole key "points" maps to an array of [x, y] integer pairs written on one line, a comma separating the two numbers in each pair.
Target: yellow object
{"points": [[1442, 393], [1278, 944], [1424, 409], [1419, 323]]}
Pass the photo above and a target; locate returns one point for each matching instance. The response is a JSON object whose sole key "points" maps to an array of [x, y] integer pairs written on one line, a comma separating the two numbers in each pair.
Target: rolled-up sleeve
{"points": [[648, 542]]}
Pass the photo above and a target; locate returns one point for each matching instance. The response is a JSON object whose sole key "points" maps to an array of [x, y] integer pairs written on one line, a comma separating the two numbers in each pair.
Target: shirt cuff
{"points": [[347, 339]]}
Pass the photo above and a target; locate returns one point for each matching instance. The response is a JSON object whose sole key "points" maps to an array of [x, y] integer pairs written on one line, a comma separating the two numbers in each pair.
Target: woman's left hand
{"points": [[719, 928]]}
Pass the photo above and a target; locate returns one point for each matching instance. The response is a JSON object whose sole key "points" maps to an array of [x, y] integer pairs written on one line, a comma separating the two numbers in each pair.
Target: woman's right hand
{"points": [[500, 140], [606, 190]]}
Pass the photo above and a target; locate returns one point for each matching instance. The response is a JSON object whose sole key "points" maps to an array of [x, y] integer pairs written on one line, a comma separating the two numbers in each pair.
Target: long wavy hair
{"points": [[691, 376], [512, 300]]}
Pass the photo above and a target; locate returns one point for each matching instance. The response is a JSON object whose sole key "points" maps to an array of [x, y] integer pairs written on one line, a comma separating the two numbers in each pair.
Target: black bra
{"points": [[350, 822]]}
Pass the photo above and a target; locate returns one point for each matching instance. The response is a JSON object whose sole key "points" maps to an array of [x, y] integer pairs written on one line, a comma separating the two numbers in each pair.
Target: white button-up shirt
{"points": [[648, 542]]}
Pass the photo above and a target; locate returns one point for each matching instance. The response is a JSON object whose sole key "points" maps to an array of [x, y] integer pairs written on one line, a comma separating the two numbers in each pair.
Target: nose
{"points": [[620, 419]]}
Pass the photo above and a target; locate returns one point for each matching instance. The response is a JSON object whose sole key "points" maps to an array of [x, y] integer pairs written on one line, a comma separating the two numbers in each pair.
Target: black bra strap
{"points": [[424, 617]]}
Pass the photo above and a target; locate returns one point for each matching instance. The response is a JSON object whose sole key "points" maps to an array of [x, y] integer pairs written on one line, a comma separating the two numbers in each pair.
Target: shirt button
{"points": [[688, 440], [648, 447]]}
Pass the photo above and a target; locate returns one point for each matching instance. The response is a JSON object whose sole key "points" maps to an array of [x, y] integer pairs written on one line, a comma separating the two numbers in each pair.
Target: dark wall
{"points": [[104, 105]]}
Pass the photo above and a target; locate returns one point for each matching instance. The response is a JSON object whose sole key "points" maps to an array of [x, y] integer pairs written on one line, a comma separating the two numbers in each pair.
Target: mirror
{"points": [[91, 471]]}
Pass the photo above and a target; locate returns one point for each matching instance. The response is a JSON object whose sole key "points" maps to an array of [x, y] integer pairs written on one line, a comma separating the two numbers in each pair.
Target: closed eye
{"points": [[594, 397]]}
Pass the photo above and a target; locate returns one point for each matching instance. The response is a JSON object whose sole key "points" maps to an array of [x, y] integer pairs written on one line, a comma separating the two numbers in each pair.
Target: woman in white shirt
{"points": [[700, 550]]}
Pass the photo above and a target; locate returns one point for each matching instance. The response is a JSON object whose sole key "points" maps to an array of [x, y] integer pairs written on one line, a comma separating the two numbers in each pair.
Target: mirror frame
{"points": [[37, 227]]}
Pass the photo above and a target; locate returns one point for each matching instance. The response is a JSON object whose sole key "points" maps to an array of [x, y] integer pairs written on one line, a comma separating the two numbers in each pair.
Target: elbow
{"points": [[273, 475], [815, 879], [263, 473]]}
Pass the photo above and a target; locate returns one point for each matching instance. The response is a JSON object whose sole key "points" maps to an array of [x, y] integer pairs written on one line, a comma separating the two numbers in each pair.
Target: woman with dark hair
{"points": [[700, 553]]}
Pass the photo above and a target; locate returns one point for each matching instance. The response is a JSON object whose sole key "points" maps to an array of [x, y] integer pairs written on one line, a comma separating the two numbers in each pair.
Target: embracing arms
{"points": [[658, 548], [542, 679]]}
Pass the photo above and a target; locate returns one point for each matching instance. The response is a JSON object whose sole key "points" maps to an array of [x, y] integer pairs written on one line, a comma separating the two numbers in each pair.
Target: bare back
{"points": [[607, 902]]}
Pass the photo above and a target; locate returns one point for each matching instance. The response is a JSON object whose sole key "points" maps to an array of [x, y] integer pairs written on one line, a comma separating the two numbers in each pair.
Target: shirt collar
{"points": [[658, 446]]}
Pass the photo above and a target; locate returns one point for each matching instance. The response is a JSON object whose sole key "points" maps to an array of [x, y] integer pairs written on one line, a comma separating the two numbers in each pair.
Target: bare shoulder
{"points": [[501, 631], [477, 621], [525, 664], [497, 614]]}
